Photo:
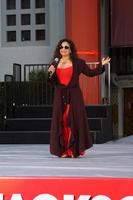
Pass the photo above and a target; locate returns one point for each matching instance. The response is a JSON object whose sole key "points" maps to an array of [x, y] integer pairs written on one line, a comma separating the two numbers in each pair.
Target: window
{"points": [[39, 4], [40, 34], [11, 36], [10, 4], [25, 19], [11, 20], [25, 22], [40, 18], [25, 35], [25, 4]]}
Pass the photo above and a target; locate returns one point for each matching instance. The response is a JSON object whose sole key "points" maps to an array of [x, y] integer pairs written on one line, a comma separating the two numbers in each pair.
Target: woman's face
{"points": [[65, 49]]}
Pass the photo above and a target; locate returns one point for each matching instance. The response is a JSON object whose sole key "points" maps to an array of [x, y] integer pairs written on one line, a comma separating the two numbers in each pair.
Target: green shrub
{"points": [[38, 75]]}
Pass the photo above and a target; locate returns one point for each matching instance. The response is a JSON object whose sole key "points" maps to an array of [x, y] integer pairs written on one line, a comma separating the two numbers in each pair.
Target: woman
{"points": [[69, 135]]}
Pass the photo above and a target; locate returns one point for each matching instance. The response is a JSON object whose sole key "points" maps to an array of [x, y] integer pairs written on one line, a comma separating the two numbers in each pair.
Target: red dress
{"points": [[64, 75]]}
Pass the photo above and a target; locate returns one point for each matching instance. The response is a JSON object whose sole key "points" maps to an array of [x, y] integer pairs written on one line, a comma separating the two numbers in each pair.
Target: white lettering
{"points": [[101, 197], [45, 197], [16, 197], [128, 198], [66, 197], [1, 196], [82, 197]]}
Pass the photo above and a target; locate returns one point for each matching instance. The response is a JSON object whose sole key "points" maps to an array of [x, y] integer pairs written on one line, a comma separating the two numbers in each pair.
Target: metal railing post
{"points": [[108, 71]]}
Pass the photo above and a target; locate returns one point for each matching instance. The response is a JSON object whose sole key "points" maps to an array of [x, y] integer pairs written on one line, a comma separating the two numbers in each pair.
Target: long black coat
{"points": [[80, 139]]}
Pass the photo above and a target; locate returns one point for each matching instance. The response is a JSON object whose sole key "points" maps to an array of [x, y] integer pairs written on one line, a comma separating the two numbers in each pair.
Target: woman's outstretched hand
{"points": [[106, 60]]}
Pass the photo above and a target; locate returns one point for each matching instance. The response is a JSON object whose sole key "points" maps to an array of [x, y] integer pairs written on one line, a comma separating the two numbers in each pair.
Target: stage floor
{"points": [[112, 159]]}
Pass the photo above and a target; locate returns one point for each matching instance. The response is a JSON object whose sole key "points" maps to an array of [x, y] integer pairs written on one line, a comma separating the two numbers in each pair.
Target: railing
{"points": [[39, 92], [29, 93], [34, 69], [34, 90]]}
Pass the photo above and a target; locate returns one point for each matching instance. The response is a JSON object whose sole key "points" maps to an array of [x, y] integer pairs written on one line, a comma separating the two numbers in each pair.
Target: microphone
{"points": [[54, 63]]}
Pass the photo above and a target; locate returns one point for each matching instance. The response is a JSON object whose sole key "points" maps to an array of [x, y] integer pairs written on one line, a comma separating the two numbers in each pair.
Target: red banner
{"points": [[36, 188]]}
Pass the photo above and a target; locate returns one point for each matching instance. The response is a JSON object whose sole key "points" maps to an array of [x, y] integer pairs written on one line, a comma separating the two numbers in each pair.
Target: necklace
{"points": [[64, 62]]}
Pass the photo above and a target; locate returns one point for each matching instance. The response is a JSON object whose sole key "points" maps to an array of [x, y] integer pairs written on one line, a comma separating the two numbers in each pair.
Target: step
{"points": [[35, 137], [93, 111], [24, 137], [95, 124], [43, 124], [28, 124], [32, 111], [98, 111]]}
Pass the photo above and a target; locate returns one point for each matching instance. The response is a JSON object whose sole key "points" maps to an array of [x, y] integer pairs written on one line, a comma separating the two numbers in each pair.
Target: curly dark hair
{"points": [[72, 47]]}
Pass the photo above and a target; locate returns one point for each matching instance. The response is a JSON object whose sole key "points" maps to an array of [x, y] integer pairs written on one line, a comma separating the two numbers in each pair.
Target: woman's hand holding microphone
{"points": [[51, 70]]}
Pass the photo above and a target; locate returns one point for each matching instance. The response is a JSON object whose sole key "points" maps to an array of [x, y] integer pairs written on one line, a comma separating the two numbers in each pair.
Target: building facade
{"points": [[29, 30]]}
